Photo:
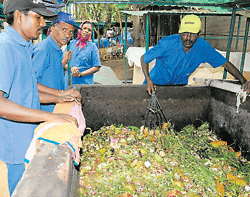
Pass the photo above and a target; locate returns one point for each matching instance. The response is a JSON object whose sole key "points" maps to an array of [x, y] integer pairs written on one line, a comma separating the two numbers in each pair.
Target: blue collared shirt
{"points": [[85, 59], [18, 82], [47, 59], [173, 66]]}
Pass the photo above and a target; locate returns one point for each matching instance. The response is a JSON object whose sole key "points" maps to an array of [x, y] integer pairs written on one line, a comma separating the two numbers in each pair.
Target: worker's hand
{"points": [[75, 72], [246, 87], [67, 55], [151, 88], [73, 93], [69, 98], [62, 118]]}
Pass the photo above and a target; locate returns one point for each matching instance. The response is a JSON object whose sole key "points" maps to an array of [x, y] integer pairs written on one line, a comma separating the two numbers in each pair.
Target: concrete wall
{"points": [[229, 124], [127, 105]]}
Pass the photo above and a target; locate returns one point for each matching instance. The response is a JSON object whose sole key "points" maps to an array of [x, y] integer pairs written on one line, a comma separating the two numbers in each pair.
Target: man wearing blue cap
{"points": [[178, 56], [19, 97], [48, 55]]}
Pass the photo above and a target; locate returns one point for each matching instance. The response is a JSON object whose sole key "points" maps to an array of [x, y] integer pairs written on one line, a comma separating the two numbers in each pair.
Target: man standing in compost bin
{"points": [[19, 98], [177, 57], [48, 56]]}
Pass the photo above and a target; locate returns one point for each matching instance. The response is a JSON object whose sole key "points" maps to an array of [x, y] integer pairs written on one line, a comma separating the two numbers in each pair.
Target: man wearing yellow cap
{"points": [[177, 57]]}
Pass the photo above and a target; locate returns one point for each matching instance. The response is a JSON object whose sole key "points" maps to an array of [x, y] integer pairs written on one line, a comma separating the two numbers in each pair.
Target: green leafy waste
{"points": [[130, 161]]}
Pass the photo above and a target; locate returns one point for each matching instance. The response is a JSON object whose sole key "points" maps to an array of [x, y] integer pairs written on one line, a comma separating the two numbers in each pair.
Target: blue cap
{"points": [[66, 18]]}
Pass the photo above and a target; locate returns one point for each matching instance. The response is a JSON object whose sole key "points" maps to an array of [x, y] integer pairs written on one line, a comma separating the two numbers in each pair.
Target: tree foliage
{"points": [[101, 12]]}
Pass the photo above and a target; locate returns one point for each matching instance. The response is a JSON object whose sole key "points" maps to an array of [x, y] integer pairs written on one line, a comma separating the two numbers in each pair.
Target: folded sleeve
{"points": [[160, 50], [213, 57], [7, 68], [95, 54]]}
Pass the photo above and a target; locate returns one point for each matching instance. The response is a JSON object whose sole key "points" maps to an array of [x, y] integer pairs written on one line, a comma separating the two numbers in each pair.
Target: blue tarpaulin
{"points": [[113, 41], [104, 42]]}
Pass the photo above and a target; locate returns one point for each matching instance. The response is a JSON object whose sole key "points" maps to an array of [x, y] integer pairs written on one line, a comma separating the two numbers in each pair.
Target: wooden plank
{"points": [[50, 173]]}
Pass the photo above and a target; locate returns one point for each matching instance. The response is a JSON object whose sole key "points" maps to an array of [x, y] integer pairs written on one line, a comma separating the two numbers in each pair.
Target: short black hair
{"points": [[10, 16]]}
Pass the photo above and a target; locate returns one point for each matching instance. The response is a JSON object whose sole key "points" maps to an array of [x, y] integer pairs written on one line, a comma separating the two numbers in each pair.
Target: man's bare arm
{"points": [[15, 112], [51, 91], [46, 98], [145, 68], [237, 74]]}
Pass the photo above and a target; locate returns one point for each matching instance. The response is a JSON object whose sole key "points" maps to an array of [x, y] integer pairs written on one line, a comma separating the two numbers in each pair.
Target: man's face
{"points": [[62, 33], [30, 27], [188, 39]]}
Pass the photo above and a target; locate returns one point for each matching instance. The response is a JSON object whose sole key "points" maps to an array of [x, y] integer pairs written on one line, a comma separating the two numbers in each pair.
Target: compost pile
{"points": [[130, 161]]}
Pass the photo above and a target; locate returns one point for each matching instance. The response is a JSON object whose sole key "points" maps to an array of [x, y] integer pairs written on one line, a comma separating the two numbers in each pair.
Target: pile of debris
{"points": [[111, 53]]}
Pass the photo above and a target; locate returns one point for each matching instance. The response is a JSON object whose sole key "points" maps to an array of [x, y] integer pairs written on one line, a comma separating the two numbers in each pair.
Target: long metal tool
{"points": [[69, 69], [155, 116]]}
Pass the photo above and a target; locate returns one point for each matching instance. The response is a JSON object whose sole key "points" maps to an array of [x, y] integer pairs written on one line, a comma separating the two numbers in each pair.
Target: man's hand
{"points": [[73, 93], [151, 87], [68, 98], [63, 118], [75, 72], [246, 87], [66, 57]]}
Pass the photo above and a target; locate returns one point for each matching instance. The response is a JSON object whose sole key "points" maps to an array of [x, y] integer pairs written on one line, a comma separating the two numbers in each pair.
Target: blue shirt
{"points": [[18, 82], [85, 59], [47, 58], [173, 66]]}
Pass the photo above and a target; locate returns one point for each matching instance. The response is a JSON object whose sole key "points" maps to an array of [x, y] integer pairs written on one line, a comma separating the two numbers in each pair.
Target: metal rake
{"points": [[155, 116]]}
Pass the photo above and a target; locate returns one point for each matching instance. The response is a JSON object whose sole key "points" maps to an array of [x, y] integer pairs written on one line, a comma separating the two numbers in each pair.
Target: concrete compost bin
{"points": [[214, 102]]}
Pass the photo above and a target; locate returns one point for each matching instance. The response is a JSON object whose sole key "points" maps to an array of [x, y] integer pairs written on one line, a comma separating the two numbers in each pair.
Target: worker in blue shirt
{"points": [[19, 97], [48, 55], [85, 60], [178, 56]]}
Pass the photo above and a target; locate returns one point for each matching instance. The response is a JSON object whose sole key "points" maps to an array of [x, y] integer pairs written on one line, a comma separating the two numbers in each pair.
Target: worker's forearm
{"points": [[234, 71], [90, 71], [46, 90], [45, 98], [145, 68], [15, 112]]}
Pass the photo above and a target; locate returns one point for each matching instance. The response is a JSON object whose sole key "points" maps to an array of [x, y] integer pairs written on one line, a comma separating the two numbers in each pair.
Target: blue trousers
{"points": [[15, 172]]}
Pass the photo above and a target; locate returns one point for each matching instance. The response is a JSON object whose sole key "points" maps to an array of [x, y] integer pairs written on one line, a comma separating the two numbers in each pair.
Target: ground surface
{"points": [[118, 66]]}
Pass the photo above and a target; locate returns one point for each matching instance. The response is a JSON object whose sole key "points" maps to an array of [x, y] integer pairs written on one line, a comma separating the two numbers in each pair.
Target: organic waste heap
{"points": [[128, 161]]}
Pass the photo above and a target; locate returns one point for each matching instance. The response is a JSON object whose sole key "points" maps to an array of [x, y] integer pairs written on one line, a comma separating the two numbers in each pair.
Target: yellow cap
{"points": [[190, 23]]}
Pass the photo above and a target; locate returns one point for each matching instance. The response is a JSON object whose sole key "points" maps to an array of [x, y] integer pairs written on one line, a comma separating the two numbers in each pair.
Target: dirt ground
{"points": [[118, 66]]}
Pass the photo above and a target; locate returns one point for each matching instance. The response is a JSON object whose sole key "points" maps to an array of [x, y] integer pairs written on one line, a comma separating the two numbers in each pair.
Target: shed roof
{"points": [[221, 3], [173, 12], [211, 6]]}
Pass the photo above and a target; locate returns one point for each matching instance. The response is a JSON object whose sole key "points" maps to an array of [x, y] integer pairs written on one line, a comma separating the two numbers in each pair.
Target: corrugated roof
{"points": [[141, 13], [221, 3], [219, 6], [197, 2], [211, 6]]}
